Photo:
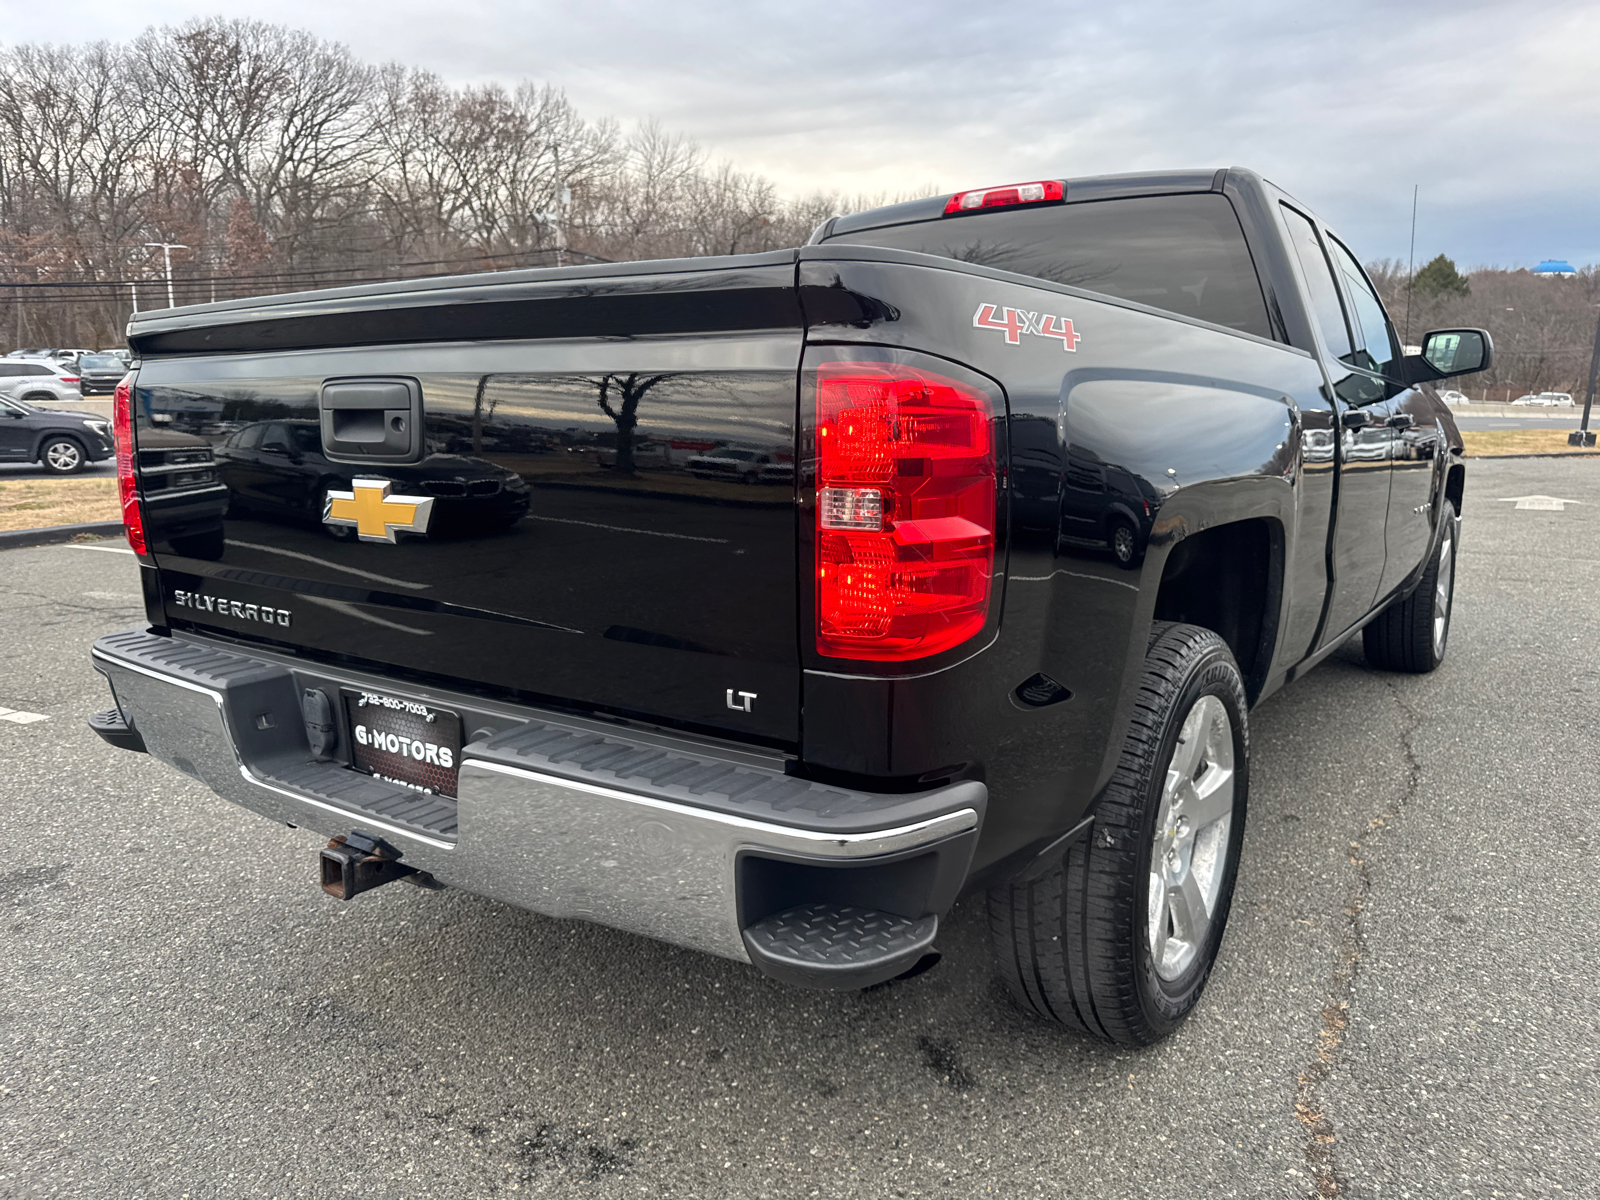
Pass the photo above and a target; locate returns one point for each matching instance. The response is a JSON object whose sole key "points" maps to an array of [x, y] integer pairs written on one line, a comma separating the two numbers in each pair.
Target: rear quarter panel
{"points": [[1179, 423]]}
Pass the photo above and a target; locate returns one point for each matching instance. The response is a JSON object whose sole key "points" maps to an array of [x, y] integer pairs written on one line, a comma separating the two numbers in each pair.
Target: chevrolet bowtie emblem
{"points": [[376, 515]]}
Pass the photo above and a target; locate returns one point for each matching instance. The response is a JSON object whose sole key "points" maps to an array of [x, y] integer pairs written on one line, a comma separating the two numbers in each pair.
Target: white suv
{"points": [[38, 381]]}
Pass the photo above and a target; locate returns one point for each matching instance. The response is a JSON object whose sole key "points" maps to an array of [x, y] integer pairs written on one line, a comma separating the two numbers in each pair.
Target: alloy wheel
{"points": [[1189, 849]]}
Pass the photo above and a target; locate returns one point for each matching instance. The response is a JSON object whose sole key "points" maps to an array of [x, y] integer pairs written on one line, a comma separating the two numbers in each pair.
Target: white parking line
{"points": [[17, 717], [102, 549]]}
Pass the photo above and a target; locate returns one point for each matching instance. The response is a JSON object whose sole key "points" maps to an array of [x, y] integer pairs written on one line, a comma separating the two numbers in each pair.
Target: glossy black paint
{"points": [[577, 554], [656, 574]]}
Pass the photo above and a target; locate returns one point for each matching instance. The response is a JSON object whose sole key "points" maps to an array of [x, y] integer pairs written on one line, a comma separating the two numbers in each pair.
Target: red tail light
{"points": [[905, 511], [127, 485], [69, 379], [1001, 197]]}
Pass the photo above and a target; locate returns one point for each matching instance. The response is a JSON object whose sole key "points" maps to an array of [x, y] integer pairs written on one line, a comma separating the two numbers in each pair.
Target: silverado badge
{"points": [[376, 515]]}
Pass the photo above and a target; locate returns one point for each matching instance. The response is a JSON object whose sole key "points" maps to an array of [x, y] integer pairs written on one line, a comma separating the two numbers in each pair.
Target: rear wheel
{"points": [[1413, 633], [62, 456], [1118, 939]]}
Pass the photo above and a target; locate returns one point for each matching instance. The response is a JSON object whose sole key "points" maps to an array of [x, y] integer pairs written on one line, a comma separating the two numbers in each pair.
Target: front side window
{"points": [[1380, 353], [1185, 254]]}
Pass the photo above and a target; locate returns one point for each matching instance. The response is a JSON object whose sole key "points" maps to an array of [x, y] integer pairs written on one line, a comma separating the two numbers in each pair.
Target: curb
{"points": [[50, 535], [1543, 454]]}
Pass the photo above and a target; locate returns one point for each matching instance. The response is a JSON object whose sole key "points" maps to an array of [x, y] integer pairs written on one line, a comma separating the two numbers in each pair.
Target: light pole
{"points": [[1583, 435], [166, 251]]}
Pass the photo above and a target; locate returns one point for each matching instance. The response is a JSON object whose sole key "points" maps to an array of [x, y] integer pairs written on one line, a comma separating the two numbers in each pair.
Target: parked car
{"points": [[280, 470], [792, 733], [1454, 397], [38, 381], [60, 442], [99, 374], [1544, 400], [735, 465], [121, 352]]}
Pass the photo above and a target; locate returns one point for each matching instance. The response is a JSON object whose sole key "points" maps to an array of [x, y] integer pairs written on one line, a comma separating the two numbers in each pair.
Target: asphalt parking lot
{"points": [[1404, 1006]]}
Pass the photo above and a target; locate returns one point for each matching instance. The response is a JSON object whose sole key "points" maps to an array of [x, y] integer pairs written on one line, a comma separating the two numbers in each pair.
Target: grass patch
{"points": [[1486, 443], [36, 503]]}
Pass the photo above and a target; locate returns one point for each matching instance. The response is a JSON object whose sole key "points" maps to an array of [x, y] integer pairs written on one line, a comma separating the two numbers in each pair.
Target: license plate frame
{"points": [[403, 741]]}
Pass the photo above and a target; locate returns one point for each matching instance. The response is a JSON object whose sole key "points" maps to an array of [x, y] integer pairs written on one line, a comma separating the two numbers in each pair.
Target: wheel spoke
{"points": [[1158, 916], [1186, 754], [1213, 796], [1188, 907]]}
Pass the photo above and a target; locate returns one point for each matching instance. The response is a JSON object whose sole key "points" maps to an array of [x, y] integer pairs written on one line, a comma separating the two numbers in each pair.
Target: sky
{"points": [[1491, 109]]}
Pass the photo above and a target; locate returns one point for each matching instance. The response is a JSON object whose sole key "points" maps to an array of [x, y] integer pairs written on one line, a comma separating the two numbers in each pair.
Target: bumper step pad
{"points": [[838, 946]]}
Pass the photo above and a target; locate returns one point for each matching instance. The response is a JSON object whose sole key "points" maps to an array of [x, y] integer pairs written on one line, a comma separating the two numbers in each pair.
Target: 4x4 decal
{"points": [[1016, 322]]}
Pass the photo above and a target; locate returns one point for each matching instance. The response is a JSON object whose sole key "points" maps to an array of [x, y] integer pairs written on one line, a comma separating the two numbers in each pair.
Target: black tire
{"points": [[1075, 945], [1413, 633], [62, 455]]}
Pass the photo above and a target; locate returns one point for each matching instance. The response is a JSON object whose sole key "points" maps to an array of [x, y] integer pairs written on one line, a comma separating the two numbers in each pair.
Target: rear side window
{"points": [[1185, 254], [1323, 292]]}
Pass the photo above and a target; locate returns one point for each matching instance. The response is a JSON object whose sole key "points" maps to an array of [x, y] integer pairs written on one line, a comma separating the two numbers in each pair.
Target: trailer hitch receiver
{"points": [[358, 862]]}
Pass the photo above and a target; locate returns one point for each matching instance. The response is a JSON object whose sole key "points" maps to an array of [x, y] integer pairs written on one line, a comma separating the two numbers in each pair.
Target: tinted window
{"points": [[35, 370], [1185, 254], [1380, 352], [249, 437], [1326, 308], [307, 438], [100, 362], [9, 369]]}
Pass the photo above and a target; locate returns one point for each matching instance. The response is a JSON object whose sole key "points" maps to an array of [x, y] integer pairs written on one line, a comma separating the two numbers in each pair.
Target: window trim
{"points": [[1395, 344], [1320, 233]]}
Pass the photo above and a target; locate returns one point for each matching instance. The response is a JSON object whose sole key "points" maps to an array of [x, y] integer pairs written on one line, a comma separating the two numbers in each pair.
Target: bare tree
{"points": [[628, 390]]}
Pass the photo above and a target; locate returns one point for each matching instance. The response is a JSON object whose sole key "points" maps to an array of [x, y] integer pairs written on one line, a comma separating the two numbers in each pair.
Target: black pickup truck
{"points": [[1024, 496]]}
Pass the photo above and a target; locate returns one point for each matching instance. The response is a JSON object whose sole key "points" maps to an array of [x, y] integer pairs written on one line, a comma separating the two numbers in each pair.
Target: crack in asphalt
{"points": [[1321, 1140]]}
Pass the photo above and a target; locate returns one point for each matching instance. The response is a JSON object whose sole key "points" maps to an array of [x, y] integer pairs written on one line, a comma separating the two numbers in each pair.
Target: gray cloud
{"points": [[1491, 108]]}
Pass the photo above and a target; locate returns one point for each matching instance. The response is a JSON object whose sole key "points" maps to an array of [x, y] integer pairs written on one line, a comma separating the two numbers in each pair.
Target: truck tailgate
{"points": [[603, 520]]}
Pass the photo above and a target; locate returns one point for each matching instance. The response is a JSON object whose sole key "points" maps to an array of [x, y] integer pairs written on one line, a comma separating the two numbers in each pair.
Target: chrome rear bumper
{"points": [[644, 852]]}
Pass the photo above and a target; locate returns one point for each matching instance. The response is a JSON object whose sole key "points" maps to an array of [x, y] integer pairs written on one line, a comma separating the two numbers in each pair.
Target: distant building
{"points": [[1554, 266]]}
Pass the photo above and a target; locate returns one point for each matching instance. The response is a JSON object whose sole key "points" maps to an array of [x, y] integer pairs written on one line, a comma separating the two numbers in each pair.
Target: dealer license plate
{"points": [[404, 742]]}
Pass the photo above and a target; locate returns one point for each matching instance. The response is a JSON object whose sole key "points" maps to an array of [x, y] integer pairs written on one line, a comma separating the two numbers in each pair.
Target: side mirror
{"points": [[1450, 352]]}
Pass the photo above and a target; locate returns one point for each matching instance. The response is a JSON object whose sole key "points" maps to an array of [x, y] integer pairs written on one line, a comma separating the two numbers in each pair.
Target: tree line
{"points": [[1543, 326], [274, 160]]}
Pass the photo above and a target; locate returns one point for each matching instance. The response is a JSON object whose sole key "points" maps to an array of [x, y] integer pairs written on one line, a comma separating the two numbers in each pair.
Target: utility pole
{"points": [[1583, 435], [166, 250], [1411, 263]]}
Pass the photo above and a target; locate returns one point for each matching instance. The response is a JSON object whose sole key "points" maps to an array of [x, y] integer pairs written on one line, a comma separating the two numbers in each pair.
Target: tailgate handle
{"points": [[375, 420]]}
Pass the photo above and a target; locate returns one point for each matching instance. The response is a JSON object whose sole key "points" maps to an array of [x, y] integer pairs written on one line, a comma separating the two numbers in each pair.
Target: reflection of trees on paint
{"points": [[619, 398], [481, 414]]}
